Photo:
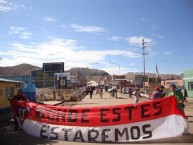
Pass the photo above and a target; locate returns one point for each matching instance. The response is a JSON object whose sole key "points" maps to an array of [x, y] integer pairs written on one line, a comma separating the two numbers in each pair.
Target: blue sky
{"points": [[101, 34]]}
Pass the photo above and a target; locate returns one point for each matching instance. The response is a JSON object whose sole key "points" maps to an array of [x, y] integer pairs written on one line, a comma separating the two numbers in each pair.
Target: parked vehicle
{"points": [[111, 88]]}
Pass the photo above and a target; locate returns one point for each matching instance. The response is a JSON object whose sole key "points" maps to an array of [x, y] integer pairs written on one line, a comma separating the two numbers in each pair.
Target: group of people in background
{"points": [[90, 90], [159, 93], [180, 94]]}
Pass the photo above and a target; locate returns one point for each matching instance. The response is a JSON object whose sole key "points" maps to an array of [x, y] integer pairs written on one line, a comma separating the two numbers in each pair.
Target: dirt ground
{"points": [[10, 137]]}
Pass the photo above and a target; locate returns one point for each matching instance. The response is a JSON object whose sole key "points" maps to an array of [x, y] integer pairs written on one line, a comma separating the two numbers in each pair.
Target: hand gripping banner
{"points": [[120, 123]]}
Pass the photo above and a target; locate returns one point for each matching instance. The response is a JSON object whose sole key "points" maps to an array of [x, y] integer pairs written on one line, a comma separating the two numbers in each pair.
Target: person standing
{"points": [[136, 95], [178, 95], [111, 93], [184, 93], [19, 97], [130, 92], [91, 91], [162, 91], [101, 92], [156, 94]]}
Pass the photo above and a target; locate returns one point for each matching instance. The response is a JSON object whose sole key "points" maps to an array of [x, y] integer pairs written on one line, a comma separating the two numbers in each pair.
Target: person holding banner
{"points": [[19, 97], [156, 94], [178, 95], [162, 91]]}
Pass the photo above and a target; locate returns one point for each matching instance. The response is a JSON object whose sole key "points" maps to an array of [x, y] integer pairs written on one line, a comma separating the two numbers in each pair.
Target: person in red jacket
{"points": [[19, 97]]}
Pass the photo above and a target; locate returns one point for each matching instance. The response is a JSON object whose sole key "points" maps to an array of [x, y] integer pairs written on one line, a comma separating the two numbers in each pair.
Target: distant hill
{"points": [[24, 69], [20, 70], [95, 74], [88, 72], [131, 76]]}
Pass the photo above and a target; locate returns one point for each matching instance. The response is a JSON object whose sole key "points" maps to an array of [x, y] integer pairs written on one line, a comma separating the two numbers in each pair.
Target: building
{"points": [[8, 88], [167, 83], [43, 79], [48, 79], [188, 82], [28, 86]]}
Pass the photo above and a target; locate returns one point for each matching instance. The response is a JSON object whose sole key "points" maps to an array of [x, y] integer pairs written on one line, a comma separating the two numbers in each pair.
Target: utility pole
{"points": [[118, 65], [143, 54], [0, 62]]}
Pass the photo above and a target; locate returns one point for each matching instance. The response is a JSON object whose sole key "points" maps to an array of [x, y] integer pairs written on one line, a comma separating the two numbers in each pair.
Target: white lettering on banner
{"points": [[165, 127]]}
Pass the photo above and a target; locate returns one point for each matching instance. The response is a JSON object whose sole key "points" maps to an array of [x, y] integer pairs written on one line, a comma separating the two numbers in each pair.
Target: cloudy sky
{"points": [[101, 34]]}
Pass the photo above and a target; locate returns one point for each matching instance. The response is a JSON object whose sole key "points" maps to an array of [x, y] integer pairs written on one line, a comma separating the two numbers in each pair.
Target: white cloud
{"points": [[16, 30], [137, 41], [26, 35], [21, 32], [113, 69], [6, 6], [167, 53], [116, 38], [57, 50], [87, 29], [50, 19]]}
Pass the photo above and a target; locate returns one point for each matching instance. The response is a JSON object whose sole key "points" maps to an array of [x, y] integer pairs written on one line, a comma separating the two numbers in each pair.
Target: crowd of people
{"points": [[158, 93], [180, 94], [90, 90]]}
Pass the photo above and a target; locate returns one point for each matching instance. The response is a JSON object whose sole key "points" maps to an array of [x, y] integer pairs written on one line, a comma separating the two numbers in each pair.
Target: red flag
{"points": [[157, 73]]}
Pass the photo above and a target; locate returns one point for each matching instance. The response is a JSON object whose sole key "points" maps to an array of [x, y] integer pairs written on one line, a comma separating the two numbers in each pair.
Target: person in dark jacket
{"points": [[162, 91], [91, 91], [157, 94], [19, 97], [184, 93]]}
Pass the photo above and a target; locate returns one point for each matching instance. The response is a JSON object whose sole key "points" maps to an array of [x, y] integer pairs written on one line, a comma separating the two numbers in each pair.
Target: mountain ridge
{"points": [[25, 69]]}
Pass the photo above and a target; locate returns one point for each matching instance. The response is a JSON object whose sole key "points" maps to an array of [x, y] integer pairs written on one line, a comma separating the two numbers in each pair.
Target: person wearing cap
{"points": [[157, 93], [178, 95]]}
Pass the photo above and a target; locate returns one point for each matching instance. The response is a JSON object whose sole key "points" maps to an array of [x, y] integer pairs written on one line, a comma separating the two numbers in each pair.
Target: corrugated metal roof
{"points": [[13, 81]]}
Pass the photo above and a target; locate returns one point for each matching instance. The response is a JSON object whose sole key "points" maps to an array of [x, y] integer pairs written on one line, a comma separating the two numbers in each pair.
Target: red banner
{"points": [[144, 116]]}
